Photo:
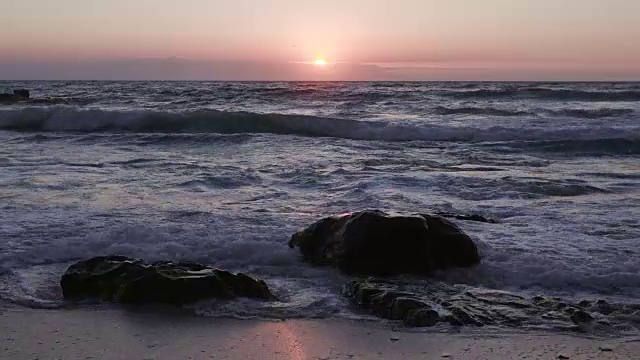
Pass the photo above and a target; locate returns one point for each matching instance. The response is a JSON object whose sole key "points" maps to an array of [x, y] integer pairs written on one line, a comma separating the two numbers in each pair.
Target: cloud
{"points": [[184, 69]]}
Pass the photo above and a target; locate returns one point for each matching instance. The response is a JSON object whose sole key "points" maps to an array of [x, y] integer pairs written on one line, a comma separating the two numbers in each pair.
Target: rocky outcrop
{"points": [[376, 243], [124, 280], [24, 96], [17, 96], [427, 303]]}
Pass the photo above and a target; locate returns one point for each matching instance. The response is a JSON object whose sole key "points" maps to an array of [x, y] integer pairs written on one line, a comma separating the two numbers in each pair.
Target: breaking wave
{"points": [[62, 119], [549, 94], [443, 110], [593, 113]]}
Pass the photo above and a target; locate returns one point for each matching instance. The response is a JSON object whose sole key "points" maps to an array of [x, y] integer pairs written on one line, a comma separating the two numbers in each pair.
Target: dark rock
{"points": [[469, 217], [23, 93], [538, 299], [570, 310], [386, 298], [581, 317], [373, 242], [452, 320], [584, 303], [603, 307], [8, 98], [422, 317], [124, 280], [24, 96], [463, 316], [17, 96], [401, 306], [409, 299], [365, 295]]}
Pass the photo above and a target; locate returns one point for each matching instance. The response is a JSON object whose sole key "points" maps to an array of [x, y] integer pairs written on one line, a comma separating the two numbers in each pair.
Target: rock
{"points": [[422, 317], [452, 320], [24, 96], [562, 357], [365, 295], [23, 93], [387, 298], [584, 304], [376, 243], [124, 280], [17, 96], [570, 310], [581, 317], [401, 306], [463, 316], [470, 217], [603, 307]]}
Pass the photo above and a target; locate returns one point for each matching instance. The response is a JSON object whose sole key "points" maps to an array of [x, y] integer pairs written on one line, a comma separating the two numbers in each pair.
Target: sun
{"points": [[320, 62]]}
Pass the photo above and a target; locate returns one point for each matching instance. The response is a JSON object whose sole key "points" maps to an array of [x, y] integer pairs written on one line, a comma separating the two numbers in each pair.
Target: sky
{"points": [[359, 39]]}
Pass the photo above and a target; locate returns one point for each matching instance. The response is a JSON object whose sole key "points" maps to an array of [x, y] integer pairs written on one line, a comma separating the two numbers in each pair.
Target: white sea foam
{"points": [[64, 119]]}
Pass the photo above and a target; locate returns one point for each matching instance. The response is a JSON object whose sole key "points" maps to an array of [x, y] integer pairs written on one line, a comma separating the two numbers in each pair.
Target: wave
{"points": [[64, 119], [443, 110], [592, 147], [548, 94], [593, 113], [492, 111]]}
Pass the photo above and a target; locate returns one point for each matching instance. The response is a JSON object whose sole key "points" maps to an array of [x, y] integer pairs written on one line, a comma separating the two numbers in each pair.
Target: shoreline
{"points": [[90, 333]]}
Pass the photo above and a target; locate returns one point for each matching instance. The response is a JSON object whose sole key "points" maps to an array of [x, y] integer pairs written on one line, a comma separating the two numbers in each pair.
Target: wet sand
{"points": [[122, 334]]}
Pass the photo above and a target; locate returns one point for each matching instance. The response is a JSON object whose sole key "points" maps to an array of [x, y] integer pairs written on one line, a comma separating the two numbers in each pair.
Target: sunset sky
{"points": [[360, 39]]}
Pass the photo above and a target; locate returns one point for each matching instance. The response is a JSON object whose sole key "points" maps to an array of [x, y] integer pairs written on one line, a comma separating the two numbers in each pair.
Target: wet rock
{"points": [[366, 294], [584, 304], [23, 93], [581, 317], [401, 307], [18, 95], [375, 243], [543, 301], [416, 300], [124, 280], [570, 310], [387, 298], [24, 96], [422, 317], [452, 320], [538, 299], [603, 307], [463, 316]]}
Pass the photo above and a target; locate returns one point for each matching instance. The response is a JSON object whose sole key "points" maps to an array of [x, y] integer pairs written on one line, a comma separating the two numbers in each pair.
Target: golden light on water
{"points": [[320, 62]]}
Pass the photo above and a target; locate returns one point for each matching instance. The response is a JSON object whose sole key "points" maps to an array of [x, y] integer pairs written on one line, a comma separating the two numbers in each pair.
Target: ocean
{"points": [[224, 173]]}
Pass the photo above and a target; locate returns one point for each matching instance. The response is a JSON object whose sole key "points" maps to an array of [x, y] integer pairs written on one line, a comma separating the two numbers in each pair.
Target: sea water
{"points": [[224, 173]]}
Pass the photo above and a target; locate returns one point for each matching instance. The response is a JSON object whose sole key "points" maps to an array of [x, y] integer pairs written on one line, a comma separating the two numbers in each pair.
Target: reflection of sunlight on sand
{"points": [[287, 341]]}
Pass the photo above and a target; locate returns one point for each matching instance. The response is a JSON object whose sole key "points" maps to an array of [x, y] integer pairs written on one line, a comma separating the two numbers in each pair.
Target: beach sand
{"points": [[125, 334]]}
